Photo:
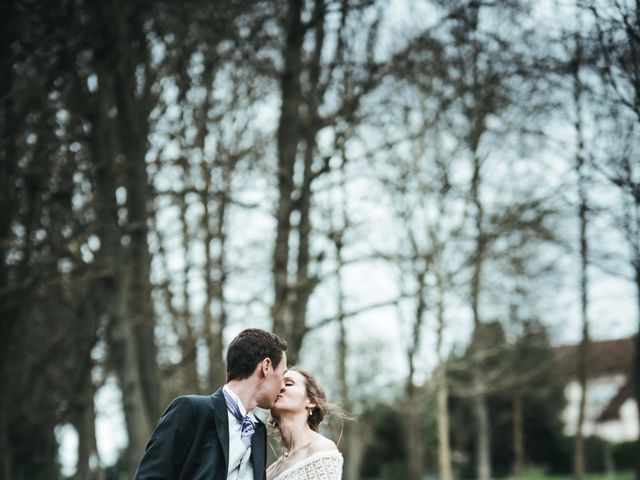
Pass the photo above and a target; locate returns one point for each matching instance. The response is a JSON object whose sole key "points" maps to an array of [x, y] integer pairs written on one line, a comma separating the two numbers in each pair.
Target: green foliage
{"points": [[117, 471], [386, 454], [596, 452], [623, 455], [536, 475], [524, 370]]}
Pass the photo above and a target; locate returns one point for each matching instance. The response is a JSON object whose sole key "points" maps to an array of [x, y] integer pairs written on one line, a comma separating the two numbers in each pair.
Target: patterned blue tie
{"points": [[248, 426]]}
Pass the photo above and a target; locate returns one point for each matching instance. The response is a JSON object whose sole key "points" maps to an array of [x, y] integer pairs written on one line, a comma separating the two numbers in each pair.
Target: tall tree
{"points": [[134, 100], [616, 47], [46, 339], [583, 210], [110, 260], [416, 177], [308, 83], [8, 167]]}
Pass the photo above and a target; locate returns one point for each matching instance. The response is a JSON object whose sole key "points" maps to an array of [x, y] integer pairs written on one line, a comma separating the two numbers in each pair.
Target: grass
{"points": [[541, 476]]}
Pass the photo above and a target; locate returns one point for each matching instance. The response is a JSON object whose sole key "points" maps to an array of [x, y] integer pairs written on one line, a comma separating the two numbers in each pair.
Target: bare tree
{"points": [[483, 89], [425, 205], [306, 84], [583, 208], [615, 58], [111, 260]]}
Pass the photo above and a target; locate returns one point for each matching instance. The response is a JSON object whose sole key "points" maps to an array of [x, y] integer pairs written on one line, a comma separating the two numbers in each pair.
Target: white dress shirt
{"points": [[240, 466]]}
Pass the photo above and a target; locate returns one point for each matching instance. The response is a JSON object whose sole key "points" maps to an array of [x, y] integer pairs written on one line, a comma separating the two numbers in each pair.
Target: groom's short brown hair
{"points": [[249, 348]]}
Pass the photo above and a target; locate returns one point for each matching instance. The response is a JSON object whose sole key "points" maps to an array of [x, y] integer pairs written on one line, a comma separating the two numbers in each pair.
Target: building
{"points": [[611, 412]]}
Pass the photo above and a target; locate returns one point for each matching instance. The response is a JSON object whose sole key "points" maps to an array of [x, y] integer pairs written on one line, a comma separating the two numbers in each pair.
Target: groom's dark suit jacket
{"points": [[191, 442]]}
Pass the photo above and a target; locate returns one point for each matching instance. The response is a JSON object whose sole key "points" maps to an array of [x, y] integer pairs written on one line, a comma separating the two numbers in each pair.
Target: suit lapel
{"points": [[259, 451], [222, 424]]}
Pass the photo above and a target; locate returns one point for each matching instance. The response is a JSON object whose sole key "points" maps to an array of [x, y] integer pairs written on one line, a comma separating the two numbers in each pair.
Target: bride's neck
{"points": [[294, 430]]}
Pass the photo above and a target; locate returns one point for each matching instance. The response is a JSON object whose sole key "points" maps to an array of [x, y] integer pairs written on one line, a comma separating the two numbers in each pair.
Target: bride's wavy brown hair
{"points": [[316, 394]]}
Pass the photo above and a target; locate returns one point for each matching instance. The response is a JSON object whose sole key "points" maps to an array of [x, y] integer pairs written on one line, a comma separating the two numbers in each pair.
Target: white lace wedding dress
{"points": [[319, 466]]}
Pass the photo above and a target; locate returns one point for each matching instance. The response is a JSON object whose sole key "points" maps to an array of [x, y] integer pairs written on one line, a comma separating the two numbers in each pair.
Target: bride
{"points": [[297, 413]]}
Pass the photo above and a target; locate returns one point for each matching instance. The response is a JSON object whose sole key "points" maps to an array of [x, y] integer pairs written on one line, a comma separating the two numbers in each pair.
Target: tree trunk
{"points": [[187, 375], [187, 336], [480, 410], [133, 112], [288, 139], [413, 435], [123, 346], [140, 308], [298, 126], [355, 434], [445, 470], [357, 439], [217, 368], [215, 196], [84, 423], [578, 457], [518, 436], [413, 413], [304, 284], [483, 436], [8, 163], [582, 187], [633, 236], [444, 451], [636, 362], [354, 447]]}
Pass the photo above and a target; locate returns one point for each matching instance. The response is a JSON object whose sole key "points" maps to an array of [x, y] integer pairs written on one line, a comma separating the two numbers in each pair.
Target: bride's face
{"points": [[293, 396]]}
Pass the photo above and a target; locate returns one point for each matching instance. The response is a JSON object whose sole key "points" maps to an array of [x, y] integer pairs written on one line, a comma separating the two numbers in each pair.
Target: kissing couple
{"points": [[219, 437]]}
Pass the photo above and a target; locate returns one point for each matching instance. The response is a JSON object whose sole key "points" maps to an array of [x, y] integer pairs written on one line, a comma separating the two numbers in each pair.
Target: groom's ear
{"points": [[265, 365]]}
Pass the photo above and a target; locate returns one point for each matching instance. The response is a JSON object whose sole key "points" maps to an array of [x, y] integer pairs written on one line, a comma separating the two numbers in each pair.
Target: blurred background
{"points": [[435, 202]]}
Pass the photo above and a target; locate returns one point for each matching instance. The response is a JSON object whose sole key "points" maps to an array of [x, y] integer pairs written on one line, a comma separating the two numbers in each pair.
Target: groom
{"points": [[217, 437]]}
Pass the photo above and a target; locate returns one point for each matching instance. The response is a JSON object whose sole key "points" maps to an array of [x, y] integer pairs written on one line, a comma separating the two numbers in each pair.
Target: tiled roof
{"points": [[608, 357], [605, 357]]}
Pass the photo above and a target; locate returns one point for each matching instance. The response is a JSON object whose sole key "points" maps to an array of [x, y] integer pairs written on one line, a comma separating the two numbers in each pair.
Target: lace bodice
{"points": [[319, 466]]}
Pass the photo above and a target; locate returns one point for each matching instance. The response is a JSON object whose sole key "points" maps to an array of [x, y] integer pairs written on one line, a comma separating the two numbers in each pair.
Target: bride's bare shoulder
{"points": [[322, 444]]}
